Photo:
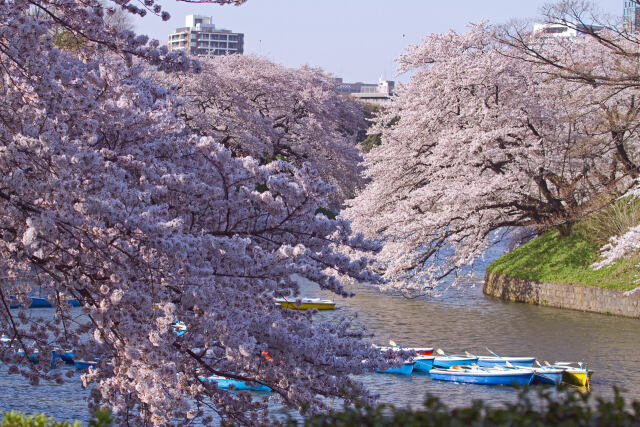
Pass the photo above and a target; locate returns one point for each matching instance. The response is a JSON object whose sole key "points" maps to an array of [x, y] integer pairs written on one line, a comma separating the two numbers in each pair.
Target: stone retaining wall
{"points": [[583, 298]]}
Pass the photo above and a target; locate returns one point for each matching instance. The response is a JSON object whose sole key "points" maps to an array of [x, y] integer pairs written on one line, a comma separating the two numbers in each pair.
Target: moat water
{"points": [[463, 319]]}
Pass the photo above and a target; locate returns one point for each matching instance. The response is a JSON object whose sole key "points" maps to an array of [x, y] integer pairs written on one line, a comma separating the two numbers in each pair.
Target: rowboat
{"points": [[490, 376], [33, 357], [179, 328], [491, 361], [449, 361], [422, 351], [423, 363], [85, 364], [405, 369], [574, 375], [37, 302], [547, 375], [306, 303], [66, 356], [228, 383]]}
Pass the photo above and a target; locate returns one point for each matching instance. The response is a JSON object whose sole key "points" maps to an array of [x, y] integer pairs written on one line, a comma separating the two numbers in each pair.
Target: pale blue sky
{"points": [[354, 39]]}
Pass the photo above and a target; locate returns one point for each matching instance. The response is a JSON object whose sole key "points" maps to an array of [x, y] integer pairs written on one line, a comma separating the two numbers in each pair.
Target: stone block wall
{"points": [[574, 297]]}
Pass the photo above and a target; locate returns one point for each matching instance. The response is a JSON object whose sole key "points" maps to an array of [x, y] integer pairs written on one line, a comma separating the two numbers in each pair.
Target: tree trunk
{"points": [[565, 229]]}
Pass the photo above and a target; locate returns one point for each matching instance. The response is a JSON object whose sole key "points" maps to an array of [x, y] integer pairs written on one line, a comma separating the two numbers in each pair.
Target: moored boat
{"points": [[574, 373], [449, 361], [306, 303], [405, 369], [547, 375], [421, 351], [228, 383], [38, 302], [423, 363], [492, 361], [489, 376], [85, 364], [66, 356]]}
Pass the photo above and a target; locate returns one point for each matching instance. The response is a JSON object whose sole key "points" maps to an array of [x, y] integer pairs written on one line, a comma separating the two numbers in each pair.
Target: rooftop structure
{"points": [[554, 30], [560, 30], [200, 37], [369, 92]]}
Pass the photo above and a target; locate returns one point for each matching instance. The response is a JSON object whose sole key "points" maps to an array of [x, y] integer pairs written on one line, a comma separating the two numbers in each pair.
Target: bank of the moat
{"points": [[557, 272], [575, 297]]}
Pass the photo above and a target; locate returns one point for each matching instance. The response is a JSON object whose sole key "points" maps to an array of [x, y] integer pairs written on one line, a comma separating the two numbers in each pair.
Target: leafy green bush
{"points": [[101, 418], [568, 408]]}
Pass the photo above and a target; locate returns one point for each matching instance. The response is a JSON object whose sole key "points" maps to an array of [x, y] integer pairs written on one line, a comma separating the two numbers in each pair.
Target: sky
{"points": [[357, 40]]}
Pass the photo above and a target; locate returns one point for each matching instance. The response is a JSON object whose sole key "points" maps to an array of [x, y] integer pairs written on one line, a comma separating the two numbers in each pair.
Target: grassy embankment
{"points": [[553, 259]]}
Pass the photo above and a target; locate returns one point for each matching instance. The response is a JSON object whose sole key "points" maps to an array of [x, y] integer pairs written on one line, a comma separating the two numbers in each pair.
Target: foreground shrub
{"points": [[101, 418], [545, 408]]}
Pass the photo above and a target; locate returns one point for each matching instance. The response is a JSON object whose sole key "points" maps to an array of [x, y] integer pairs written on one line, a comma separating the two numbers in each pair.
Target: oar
{"points": [[441, 353], [506, 362], [499, 357]]}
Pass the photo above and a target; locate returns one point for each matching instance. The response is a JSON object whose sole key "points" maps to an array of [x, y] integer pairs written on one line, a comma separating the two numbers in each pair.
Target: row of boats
{"points": [[67, 357], [493, 370]]}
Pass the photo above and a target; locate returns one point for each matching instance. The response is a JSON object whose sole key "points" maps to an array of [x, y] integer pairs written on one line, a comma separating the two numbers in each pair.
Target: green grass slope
{"points": [[554, 259]]}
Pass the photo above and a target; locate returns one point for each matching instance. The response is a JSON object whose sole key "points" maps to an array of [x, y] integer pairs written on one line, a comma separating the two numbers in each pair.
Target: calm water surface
{"points": [[462, 319]]}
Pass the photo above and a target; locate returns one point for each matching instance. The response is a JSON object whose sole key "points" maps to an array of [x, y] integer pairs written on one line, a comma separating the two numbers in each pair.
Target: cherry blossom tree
{"points": [[268, 111], [108, 197], [479, 140], [609, 68]]}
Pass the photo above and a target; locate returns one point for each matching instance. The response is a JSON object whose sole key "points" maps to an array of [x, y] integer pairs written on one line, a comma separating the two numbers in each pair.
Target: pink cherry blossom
{"points": [[107, 196]]}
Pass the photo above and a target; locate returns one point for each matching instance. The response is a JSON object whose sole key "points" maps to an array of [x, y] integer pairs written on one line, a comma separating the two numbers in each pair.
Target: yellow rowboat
{"points": [[306, 303], [575, 376]]}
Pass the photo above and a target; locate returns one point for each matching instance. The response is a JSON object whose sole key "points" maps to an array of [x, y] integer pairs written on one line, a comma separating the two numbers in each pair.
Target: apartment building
{"points": [[631, 16], [200, 37]]}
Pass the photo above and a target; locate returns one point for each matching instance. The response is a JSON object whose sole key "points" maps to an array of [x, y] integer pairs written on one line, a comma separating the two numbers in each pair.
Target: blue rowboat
{"points": [[490, 361], [85, 364], [66, 356], [405, 369], [37, 302], [449, 361], [547, 375], [228, 383], [34, 355], [423, 363], [492, 376], [179, 328]]}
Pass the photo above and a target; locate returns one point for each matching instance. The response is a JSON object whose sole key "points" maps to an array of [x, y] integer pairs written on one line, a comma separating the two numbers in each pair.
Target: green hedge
{"points": [[567, 408], [100, 418]]}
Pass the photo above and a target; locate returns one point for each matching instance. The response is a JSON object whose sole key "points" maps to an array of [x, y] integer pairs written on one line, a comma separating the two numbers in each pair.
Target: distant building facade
{"points": [[631, 16], [369, 92], [554, 30], [560, 30], [199, 37]]}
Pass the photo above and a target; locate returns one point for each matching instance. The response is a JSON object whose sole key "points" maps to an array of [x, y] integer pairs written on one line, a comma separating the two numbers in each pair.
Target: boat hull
{"points": [[423, 364], [547, 376], [228, 383], [67, 357], [307, 304], [576, 378], [488, 378], [84, 364], [445, 362], [405, 369], [37, 302], [490, 362]]}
